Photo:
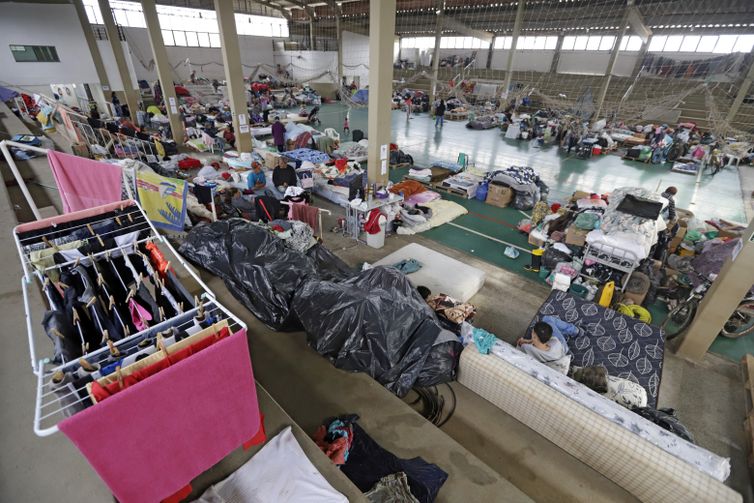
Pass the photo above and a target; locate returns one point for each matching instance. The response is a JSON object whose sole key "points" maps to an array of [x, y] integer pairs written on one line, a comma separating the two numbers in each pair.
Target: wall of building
{"points": [[356, 57], [49, 24]]}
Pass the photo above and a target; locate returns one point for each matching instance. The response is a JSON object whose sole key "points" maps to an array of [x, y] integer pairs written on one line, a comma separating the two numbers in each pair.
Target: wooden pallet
{"points": [[747, 367]]}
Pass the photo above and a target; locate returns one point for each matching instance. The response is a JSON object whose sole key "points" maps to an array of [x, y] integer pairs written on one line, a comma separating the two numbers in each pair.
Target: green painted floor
{"points": [[718, 196]]}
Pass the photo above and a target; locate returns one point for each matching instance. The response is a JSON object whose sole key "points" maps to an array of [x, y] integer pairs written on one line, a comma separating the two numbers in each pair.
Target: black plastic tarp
{"points": [[374, 322], [377, 323], [258, 268]]}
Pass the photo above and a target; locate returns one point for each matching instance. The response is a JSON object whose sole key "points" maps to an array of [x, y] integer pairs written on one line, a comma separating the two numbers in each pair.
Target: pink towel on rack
{"points": [[304, 213], [84, 183], [155, 437]]}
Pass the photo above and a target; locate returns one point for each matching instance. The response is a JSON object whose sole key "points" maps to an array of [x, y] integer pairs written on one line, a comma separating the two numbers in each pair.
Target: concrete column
{"points": [[381, 37], [489, 52], [514, 44], [556, 56], [728, 290], [640, 59], [311, 35], [440, 6], [339, 39], [610, 68], [131, 95], [99, 66], [743, 90], [162, 64], [234, 74]]}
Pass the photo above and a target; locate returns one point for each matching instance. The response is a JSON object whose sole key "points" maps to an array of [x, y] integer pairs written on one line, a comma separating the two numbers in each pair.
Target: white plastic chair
{"points": [[330, 132]]}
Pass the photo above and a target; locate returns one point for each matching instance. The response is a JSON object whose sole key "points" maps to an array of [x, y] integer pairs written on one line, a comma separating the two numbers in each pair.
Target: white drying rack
{"points": [[319, 214], [49, 407]]}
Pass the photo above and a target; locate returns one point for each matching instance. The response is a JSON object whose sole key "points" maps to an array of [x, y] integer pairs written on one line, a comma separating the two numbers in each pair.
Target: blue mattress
{"points": [[626, 347]]}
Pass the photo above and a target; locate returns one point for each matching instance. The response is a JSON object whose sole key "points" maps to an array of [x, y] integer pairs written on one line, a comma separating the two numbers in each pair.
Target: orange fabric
{"points": [[101, 392], [408, 187]]}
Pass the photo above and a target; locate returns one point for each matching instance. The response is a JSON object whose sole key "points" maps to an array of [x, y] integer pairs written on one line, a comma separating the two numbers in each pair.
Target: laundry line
{"points": [[490, 237]]}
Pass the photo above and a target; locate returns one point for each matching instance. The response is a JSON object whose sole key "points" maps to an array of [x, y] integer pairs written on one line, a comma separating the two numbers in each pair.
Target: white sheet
{"points": [[439, 273], [622, 240], [280, 472]]}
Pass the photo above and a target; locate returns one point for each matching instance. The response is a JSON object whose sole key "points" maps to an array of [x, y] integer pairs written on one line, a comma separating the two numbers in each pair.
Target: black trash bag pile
{"points": [[377, 323], [257, 267], [374, 322]]}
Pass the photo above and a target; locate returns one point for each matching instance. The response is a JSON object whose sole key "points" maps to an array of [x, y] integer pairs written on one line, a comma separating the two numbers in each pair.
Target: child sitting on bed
{"points": [[546, 348]]}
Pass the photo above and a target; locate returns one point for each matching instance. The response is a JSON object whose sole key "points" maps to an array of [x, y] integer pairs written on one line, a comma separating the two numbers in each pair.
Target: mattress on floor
{"points": [[626, 347], [636, 454], [440, 273], [333, 193]]}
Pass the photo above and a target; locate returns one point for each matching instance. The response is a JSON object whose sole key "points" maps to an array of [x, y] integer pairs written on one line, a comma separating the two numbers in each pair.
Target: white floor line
{"points": [[490, 237]]}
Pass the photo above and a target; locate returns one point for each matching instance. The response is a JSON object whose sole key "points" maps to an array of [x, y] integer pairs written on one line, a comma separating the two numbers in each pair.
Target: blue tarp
{"points": [[361, 96], [7, 94]]}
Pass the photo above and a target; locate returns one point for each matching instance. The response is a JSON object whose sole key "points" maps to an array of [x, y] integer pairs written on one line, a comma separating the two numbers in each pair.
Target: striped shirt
{"points": [[671, 205]]}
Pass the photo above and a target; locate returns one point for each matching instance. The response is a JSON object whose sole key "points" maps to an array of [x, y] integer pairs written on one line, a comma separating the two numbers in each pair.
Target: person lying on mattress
{"points": [[546, 348]]}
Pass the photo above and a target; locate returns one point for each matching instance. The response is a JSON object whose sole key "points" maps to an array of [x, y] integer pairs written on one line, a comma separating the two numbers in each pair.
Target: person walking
{"points": [[278, 134], [440, 113], [409, 103]]}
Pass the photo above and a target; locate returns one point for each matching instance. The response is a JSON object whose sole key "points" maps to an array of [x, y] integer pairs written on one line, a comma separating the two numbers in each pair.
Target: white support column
{"points": [[234, 73], [381, 38], [339, 35], [514, 44], [440, 12], [610, 67], [132, 98], [99, 66], [162, 64]]}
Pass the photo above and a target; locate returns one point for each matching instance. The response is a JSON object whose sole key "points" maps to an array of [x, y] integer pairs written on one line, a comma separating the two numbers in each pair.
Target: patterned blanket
{"points": [[626, 347]]}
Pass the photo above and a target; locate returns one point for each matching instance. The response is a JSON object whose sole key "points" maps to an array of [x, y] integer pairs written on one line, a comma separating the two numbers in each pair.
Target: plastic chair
{"points": [[330, 132], [463, 160]]}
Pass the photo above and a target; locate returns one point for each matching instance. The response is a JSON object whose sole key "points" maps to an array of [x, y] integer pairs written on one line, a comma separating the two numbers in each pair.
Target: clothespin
{"points": [[180, 307], [49, 244], [56, 333], [117, 220], [91, 302], [119, 376], [112, 303], [114, 351], [78, 260], [130, 218], [86, 365], [162, 314], [131, 294], [76, 319], [94, 234]]}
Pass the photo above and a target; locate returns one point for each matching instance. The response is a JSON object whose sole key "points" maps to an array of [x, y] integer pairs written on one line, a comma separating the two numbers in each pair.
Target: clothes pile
{"points": [[526, 184]]}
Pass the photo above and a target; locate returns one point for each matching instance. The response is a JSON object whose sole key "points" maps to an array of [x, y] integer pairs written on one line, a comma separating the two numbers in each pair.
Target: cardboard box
{"points": [[575, 236], [579, 194], [499, 196], [537, 238], [635, 298], [677, 239]]}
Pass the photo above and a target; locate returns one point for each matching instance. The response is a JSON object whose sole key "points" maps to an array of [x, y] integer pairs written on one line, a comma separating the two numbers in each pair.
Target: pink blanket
{"points": [[84, 183], [153, 438]]}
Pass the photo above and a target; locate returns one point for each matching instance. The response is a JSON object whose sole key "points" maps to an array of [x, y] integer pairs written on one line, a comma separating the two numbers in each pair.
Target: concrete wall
{"points": [[306, 65], [356, 57], [49, 24]]}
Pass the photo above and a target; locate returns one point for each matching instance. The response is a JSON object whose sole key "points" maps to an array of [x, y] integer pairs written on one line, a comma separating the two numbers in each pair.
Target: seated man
{"points": [[284, 176], [256, 180], [545, 348]]}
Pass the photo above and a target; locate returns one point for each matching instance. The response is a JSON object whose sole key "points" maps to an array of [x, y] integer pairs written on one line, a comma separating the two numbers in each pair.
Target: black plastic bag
{"points": [[553, 257], [665, 418], [258, 268], [377, 323]]}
